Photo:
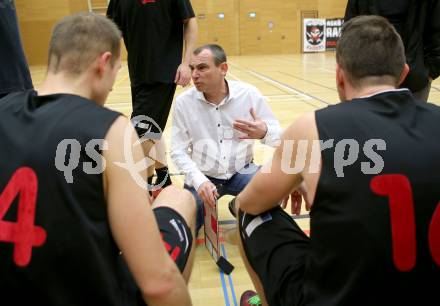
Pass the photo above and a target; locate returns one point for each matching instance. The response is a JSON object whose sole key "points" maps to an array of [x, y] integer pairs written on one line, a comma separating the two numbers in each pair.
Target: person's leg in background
{"points": [[423, 93], [166, 97], [151, 106], [199, 207], [163, 178], [178, 230]]}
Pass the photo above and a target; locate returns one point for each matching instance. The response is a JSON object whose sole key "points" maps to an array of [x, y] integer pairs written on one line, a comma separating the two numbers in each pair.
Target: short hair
{"points": [[369, 46], [78, 39], [217, 52]]}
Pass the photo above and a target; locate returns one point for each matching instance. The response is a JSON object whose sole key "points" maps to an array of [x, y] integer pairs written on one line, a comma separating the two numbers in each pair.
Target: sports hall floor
{"points": [[293, 85]]}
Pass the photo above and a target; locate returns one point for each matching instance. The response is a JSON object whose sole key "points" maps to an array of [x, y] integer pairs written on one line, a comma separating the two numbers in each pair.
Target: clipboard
{"points": [[212, 237]]}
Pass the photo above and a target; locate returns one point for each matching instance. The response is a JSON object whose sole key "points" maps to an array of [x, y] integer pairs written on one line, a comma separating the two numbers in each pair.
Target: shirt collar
{"points": [[384, 91], [231, 89]]}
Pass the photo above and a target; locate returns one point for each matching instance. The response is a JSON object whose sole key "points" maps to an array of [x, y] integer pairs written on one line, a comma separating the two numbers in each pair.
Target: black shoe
{"points": [[231, 207], [163, 178]]}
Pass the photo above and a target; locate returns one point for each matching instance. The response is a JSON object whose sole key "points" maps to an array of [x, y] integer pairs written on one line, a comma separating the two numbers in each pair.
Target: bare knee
{"points": [[177, 195], [180, 200]]}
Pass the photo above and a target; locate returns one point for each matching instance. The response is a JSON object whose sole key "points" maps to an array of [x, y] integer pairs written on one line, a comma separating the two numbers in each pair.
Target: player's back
{"points": [[56, 246], [375, 221]]}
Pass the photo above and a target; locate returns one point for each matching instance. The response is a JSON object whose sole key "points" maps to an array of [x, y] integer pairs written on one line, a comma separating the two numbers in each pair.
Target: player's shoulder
{"points": [[303, 128]]}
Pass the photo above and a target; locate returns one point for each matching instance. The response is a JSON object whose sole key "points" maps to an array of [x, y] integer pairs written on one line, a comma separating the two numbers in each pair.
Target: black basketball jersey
{"points": [[56, 247], [375, 221], [14, 71]]}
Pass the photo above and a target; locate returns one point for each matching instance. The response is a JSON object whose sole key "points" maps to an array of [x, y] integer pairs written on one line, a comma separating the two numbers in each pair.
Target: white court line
{"points": [[262, 77], [295, 94], [284, 97], [234, 77]]}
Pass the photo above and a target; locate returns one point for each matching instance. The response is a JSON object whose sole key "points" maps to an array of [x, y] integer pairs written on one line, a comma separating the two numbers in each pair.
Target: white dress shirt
{"points": [[204, 142]]}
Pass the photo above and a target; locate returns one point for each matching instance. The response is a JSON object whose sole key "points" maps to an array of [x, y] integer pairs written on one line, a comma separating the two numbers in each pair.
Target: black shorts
{"points": [[176, 235], [276, 249], [152, 103]]}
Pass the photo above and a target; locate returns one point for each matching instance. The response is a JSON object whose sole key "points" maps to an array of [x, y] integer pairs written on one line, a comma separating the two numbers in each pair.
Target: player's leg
{"points": [[151, 106], [175, 210], [163, 98], [274, 250], [141, 97]]}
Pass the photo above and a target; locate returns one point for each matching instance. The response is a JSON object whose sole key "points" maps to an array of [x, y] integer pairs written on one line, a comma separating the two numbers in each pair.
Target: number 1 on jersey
{"points": [[398, 189]]}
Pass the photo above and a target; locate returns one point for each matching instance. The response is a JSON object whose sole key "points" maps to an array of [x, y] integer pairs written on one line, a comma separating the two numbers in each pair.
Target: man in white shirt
{"points": [[214, 127]]}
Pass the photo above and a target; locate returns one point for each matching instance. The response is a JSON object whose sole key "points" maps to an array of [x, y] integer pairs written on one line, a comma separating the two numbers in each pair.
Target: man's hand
{"points": [[183, 75], [208, 193], [296, 200], [255, 129]]}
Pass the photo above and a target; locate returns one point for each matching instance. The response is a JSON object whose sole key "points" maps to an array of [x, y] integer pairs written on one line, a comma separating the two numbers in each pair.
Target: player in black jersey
{"points": [[14, 71], [371, 171], [155, 33], [417, 23], [70, 200]]}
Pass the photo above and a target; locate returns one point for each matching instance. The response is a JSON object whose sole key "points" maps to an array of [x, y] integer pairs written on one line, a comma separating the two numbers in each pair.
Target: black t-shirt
{"points": [[14, 71], [395, 11], [376, 204], [68, 255], [412, 19], [153, 36]]}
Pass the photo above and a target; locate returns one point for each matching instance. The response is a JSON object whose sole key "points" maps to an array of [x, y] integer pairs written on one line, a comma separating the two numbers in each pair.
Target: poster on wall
{"points": [[332, 32], [314, 35]]}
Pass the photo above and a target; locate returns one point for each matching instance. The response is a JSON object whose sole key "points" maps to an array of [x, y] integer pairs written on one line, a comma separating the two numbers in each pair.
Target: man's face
{"points": [[205, 74]]}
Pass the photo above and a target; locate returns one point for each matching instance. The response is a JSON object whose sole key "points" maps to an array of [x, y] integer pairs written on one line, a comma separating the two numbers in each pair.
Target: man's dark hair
{"points": [[79, 39], [370, 47], [217, 52]]}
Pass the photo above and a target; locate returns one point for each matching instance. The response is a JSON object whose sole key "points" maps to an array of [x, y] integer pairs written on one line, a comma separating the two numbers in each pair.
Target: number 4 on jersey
{"points": [[22, 233]]}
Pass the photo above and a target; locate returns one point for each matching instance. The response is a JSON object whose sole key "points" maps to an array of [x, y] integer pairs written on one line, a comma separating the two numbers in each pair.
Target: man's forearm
{"points": [[190, 30], [185, 164], [177, 295]]}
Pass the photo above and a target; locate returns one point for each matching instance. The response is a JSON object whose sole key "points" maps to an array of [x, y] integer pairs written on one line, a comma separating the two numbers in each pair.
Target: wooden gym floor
{"points": [[293, 85]]}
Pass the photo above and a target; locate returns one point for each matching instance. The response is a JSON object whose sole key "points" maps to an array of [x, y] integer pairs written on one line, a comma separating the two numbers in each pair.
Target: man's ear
{"points": [[340, 76], [224, 68], [103, 60], [404, 74]]}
